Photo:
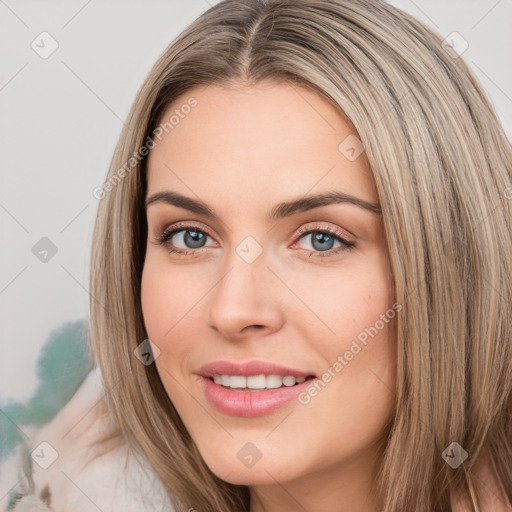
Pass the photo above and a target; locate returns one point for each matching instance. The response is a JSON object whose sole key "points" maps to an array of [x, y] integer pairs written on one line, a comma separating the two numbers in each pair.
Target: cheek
{"points": [[347, 301], [167, 298], [359, 353], [166, 308], [171, 300]]}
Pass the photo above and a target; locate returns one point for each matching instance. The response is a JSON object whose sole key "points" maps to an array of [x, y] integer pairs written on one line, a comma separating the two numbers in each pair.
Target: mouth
{"points": [[248, 402], [252, 389]]}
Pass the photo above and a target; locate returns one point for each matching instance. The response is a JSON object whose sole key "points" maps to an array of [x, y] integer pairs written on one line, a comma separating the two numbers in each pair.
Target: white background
{"points": [[60, 119]]}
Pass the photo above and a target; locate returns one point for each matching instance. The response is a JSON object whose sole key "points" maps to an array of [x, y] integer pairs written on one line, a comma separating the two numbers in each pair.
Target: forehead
{"points": [[254, 140]]}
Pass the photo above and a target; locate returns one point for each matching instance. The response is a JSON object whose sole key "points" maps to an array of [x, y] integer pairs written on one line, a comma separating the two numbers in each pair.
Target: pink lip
{"points": [[250, 403]]}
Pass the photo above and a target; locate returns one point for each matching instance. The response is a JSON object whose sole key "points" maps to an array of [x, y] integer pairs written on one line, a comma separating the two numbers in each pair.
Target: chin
{"points": [[241, 470]]}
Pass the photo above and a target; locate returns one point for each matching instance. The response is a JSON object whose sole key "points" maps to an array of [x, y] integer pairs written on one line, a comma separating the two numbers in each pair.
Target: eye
{"points": [[189, 237], [322, 240]]}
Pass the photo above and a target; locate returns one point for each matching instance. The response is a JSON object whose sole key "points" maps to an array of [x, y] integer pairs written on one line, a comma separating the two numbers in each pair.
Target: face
{"points": [[250, 281]]}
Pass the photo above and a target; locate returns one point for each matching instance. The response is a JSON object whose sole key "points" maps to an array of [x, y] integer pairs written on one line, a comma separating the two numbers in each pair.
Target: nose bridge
{"points": [[245, 295]]}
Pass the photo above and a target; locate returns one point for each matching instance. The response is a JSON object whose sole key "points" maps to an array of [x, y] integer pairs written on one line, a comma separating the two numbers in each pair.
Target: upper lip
{"points": [[249, 368]]}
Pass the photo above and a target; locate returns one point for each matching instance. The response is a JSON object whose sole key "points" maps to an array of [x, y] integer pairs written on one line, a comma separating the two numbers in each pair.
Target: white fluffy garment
{"points": [[51, 470]]}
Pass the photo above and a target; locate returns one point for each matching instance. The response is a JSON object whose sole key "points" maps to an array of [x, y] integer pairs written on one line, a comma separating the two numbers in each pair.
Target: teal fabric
{"points": [[62, 366]]}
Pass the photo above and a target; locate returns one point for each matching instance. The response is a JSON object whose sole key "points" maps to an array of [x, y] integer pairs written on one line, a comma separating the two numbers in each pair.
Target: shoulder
{"points": [[80, 462]]}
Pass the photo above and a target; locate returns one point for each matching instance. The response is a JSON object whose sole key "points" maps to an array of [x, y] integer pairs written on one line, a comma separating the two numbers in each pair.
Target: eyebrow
{"points": [[280, 211]]}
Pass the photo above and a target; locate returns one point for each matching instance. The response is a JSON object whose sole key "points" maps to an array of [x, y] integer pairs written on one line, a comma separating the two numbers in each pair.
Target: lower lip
{"points": [[251, 403]]}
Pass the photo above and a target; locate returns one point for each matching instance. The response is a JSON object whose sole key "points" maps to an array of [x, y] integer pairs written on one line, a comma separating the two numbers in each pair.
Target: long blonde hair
{"points": [[442, 165]]}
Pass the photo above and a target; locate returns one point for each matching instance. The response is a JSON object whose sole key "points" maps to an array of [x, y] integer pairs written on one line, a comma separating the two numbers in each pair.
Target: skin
{"points": [[242, 150]]}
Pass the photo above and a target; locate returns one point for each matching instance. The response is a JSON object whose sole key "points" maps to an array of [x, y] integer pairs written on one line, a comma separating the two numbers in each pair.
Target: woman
{"points": [[259, 103], [301, 269]]}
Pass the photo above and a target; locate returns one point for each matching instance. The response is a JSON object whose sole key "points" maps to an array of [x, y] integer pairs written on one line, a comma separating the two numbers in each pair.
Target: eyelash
{"points": [[168, 233]]}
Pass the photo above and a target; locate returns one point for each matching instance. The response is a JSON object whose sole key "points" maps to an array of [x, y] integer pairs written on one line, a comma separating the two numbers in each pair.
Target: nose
{"points": [[244, 303]]}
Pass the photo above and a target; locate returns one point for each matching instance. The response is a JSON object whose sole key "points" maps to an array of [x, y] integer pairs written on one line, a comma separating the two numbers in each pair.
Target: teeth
{"points": [[288, 381], [237, 381], [274, 381], [257, 381]]}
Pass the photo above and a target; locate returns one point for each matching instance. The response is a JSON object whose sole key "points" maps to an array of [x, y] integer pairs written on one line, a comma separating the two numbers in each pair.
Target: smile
{"points": [[244, 401], [253, 388]]}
